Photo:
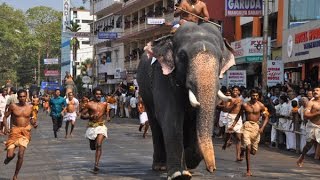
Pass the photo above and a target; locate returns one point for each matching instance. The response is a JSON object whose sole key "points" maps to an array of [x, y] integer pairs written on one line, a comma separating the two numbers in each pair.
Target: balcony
{"points": [[104, 7], [130, 6]]}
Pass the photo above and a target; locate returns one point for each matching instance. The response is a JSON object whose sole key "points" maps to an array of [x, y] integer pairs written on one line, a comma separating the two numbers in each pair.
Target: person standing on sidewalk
{"points": [[20, 134], [57, 104], [96, 131], [70, 112]]}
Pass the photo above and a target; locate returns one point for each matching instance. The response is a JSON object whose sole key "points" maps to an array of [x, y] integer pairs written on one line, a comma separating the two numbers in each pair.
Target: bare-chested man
{"points": [[19, 135], [96, 131], [35, 107], [70, 112], [196, 7], [312, 112], [232, 111], [250, 129], [224, 111]]}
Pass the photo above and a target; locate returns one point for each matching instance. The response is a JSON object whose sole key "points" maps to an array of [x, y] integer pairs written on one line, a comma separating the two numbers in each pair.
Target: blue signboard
{"points": [[50, 85], [107, 35]]}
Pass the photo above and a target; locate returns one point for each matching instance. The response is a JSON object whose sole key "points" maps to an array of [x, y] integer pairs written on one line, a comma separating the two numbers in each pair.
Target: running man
{"points": [[250, 129], [96, 131], [57, 104], [232, 110], [20, 133], [70, 112], [35, 107], [312, 112]]}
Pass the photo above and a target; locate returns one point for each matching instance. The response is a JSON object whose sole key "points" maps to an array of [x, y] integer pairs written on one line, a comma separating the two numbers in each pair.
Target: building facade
{"points": [[248, 42], [83, 18], [135, 24], [301, 41]]}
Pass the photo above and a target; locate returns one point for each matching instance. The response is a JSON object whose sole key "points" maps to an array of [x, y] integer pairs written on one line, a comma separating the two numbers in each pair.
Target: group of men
{"points": [[246, 134], [24, 117]]}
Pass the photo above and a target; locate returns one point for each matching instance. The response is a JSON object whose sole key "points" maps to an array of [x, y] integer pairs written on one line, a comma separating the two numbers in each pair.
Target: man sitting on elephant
{"points": [[195, 7]]}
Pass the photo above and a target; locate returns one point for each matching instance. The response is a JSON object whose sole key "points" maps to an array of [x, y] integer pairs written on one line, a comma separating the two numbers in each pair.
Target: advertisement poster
{"points": [[275, 72], [237, 78]]}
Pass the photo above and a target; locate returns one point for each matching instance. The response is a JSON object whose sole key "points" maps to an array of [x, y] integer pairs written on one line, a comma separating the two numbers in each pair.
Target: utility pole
{"points": [[94, 59], [265, 47]]}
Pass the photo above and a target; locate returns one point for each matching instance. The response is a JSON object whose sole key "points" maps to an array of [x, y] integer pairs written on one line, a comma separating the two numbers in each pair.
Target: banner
{"points": [[243, 8], [107, 35], [237, 78], [66, 15], [51, 73], [275, 74], [51, 61], [50, 85]]}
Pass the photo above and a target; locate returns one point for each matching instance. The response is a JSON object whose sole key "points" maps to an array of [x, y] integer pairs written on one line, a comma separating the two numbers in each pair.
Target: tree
{"points": [[45, 27], [14, 37], [74, 43]]}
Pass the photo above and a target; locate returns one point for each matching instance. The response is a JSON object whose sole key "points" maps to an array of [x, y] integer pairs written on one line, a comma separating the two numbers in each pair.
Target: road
{"points": [[126, 155]]}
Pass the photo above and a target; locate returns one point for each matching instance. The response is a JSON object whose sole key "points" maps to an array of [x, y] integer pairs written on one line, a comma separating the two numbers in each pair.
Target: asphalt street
{"points": [[126, 155]]}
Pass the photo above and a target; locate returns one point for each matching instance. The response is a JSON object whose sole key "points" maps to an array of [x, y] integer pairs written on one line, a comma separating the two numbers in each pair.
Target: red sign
{"points": [[51, 73], [306, 36]]}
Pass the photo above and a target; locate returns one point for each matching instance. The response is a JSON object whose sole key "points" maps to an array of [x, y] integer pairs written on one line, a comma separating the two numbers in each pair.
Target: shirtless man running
{"points": [[70, 112], [20, 133], [312, 112], [250, 129], [231, 112], [96, 131]]}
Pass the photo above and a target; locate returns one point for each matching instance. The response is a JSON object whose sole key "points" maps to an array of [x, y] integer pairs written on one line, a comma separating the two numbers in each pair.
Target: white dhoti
{"points": [[303, 140], [70, 116], [290, 135], [92, 132], [312, 132], [143, 117], [230, 119], [273, 132]]}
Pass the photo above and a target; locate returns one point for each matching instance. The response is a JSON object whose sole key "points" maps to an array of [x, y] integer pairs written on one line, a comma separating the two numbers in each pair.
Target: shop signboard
{"points": [[237, 78], [250, 49], [302, 42], [66, 15], [51, 72], [51, 61], [275, 74], [243, 7]]}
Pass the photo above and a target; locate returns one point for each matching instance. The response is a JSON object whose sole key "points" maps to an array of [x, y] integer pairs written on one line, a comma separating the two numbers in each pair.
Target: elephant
{"points": [[179, 81]]}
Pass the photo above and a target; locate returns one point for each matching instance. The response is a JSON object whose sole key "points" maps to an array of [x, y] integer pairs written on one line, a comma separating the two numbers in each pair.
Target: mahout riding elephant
{"points": [[179, 80]]}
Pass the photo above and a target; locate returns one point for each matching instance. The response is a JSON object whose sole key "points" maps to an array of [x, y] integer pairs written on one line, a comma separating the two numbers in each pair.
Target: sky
{"points": [[55, 4]]}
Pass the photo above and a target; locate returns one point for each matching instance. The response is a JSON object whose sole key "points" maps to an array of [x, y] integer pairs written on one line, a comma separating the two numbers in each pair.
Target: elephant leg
{"points": [[173, 139], [192, 152], [159, 153]]}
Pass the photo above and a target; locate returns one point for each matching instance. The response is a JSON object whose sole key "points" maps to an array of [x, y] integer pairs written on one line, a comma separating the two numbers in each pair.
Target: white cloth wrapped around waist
{"points": [[70, 116], [143, 117], [312, 132], [222, 119], [230, 119], [92, 132]]}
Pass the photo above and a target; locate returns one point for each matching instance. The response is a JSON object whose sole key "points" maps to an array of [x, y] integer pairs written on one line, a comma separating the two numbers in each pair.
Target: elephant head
{"points": [[197, 55]]}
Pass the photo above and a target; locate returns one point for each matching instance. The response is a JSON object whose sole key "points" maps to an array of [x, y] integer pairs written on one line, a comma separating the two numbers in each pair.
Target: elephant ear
{"points": [[163, 51], [228, 59]]}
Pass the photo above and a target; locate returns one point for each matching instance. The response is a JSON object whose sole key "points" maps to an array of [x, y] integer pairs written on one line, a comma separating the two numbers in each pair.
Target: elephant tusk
{"points": [[193, 100], [223, 97]]}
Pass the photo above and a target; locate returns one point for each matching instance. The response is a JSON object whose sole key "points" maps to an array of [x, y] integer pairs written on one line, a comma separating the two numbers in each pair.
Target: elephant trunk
{"points": [[205, 74]]}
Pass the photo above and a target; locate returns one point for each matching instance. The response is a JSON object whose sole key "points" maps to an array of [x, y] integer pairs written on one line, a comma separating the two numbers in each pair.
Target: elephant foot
{"points": [[159, 167], [180, 175]]}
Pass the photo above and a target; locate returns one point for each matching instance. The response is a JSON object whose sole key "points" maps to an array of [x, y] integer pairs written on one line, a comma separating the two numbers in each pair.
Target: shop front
{"points": [[249, 56], [301, 53]]}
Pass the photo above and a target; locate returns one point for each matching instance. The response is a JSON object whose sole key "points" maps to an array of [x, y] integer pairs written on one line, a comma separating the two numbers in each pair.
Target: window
{"points": [[247, 30], [77, 21], [301, 11], [85, 42], [86, 21]]}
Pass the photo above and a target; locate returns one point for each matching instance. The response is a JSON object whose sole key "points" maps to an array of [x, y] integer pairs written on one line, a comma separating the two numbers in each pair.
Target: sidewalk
{"points": [[126, 155]]}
